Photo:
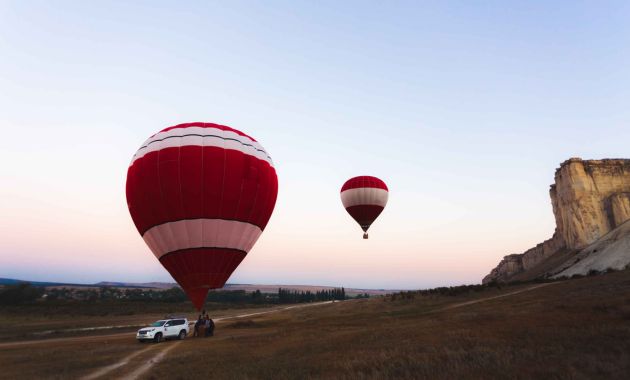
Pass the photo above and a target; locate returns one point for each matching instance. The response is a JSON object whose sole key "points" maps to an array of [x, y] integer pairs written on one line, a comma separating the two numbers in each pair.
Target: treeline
{"points": [[19, 294], [171, 295], [112, 293], [444, 291], [26, 293], [294, 296], [237, 296]]}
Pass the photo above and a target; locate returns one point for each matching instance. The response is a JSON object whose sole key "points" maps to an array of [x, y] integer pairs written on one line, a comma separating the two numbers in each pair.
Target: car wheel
{"points": [[182, 335], [157, 338]]}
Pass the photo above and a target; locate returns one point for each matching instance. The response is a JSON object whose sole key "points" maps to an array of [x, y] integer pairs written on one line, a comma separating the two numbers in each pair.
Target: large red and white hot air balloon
{"points": [[364, 198], [200, 194]]}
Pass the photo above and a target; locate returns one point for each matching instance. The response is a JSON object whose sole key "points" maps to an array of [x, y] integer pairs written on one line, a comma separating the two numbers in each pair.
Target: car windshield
{"points": [[158, 323]]}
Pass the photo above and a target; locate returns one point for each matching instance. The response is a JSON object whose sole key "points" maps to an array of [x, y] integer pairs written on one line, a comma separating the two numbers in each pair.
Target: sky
{"points": [[464, 109]]}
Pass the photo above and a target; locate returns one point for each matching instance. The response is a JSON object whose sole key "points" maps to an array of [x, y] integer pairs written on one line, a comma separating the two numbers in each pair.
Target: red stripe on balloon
{"points": [[364, 181], [198, 270], [365, 214], [192, 182]]}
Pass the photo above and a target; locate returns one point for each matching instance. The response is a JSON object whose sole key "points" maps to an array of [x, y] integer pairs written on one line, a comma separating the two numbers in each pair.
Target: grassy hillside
{"points": [[573, 329]]}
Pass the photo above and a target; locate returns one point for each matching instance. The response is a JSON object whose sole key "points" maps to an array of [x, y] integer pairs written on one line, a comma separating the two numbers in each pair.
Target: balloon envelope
{"points": [[364, 198], [200, 194]]}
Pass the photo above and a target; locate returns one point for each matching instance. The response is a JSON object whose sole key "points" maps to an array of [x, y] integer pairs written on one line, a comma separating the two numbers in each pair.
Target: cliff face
{"points": [[589, 199]]}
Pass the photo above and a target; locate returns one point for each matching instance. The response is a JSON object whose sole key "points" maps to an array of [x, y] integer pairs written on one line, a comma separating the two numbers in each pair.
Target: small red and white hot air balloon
{"points": [[364, 198], [201, 194]]}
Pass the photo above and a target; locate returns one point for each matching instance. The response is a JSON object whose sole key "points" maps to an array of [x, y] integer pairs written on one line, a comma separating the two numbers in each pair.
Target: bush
{"points": [[19, 294]]}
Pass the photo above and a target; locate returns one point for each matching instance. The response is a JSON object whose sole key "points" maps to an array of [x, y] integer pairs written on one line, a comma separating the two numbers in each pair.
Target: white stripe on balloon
{"points": [[364, 196], [199, 233], [198, 136]]}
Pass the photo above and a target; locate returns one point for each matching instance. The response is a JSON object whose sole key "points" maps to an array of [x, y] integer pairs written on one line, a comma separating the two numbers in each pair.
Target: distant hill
{"points": [[152, 285], [167, 285], [12, 281]]}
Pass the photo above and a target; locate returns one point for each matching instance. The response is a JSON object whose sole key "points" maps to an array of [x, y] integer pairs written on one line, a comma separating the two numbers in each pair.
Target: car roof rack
{"points": [[169, 316]]}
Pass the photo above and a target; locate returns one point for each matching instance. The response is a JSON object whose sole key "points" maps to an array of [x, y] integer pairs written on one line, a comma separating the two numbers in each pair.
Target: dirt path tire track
{"points": [[144, 367], [154, 359], [63, 340], [126, 360], [461, 304]]}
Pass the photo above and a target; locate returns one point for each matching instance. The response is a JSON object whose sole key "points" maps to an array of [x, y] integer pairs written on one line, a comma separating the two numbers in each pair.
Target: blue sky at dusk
{"points": [[464, 109]]}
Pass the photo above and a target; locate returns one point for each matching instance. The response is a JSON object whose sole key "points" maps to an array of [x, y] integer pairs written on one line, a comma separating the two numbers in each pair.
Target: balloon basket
{"points": [[365, 235]]}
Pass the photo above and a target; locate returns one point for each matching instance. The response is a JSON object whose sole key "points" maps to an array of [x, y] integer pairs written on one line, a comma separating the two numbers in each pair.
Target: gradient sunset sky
{"points": [[464, 109]]}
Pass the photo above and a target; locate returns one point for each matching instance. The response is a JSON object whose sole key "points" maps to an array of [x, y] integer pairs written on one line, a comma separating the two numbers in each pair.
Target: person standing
{"points": [[207, 325], [210, 330], [198, 324]]}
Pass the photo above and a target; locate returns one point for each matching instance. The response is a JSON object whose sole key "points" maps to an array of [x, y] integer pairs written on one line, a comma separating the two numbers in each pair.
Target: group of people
{"points": [[204, 321]]}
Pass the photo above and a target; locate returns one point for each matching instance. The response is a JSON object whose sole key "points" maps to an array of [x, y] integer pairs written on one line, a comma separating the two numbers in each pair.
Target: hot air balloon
{"points": [[364, 198], [201, 194]]}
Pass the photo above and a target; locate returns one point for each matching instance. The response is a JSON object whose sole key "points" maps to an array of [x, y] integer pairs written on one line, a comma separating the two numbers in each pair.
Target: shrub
{"points": [[19, 294]]}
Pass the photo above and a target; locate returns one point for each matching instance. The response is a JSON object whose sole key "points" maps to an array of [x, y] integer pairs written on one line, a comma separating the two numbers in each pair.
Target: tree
{"points": [[19, 294]]}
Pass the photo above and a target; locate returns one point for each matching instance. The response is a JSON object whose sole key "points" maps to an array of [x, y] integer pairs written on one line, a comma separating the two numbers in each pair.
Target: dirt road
{"points": [[140, 370], [456, 305], [89, 338], [86, 339], [150, 356]]}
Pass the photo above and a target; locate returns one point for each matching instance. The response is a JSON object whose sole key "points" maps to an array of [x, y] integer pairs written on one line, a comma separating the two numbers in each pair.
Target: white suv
{"points": [[164, 329]]}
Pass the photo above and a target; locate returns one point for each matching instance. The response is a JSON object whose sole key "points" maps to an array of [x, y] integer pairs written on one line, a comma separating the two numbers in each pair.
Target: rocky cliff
{"points": [[589, 198]]}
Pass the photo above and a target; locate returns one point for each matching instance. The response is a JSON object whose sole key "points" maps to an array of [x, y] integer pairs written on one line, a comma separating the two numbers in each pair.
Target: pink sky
{"points": [[464, 111]]}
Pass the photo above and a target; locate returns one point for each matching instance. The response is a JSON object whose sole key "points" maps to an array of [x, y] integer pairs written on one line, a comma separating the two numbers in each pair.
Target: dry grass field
{"points": [[62, 360], [43, 342], [39, 321], [576, 329]]}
